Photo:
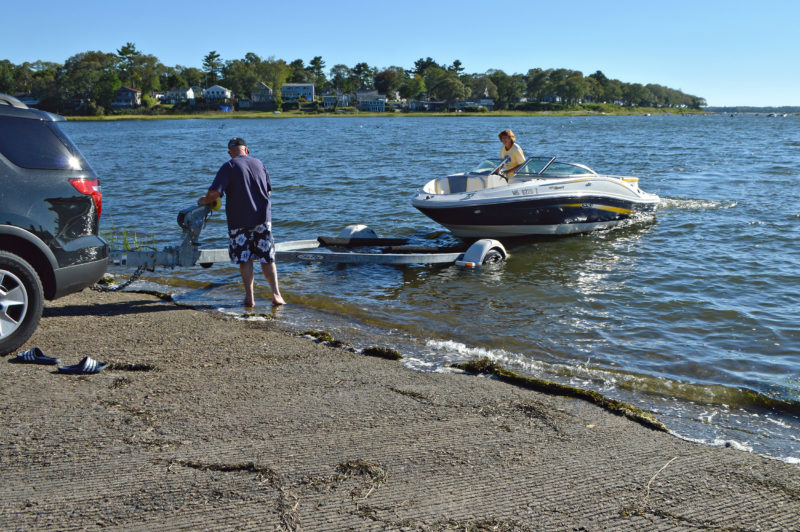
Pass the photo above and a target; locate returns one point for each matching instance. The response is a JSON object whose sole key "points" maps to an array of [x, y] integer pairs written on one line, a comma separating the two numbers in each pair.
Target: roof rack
{"points": [[6, 99]]}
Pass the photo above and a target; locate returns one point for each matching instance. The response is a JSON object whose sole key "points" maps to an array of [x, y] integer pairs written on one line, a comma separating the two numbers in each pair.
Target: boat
{"points": [[545, 196]]}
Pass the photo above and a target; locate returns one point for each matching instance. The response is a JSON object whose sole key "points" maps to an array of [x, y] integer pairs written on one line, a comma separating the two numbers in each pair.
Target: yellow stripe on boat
{"points": [[609, 208]]}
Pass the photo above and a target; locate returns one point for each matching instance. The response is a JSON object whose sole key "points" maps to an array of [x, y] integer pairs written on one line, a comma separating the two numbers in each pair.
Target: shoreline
{"points": [[643, 111], [212, 422]]}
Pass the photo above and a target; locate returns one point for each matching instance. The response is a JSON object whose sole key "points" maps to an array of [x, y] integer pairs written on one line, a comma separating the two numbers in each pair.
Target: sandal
{"points": [[34, 356], [87, 366]]}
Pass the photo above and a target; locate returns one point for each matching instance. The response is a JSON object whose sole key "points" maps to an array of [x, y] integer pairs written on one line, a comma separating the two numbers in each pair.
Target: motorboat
{"points": [[545, 196]]}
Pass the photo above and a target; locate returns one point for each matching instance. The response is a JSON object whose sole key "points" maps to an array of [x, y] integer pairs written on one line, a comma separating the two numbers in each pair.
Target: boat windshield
{"points": [[486, 166], [549, 167]]}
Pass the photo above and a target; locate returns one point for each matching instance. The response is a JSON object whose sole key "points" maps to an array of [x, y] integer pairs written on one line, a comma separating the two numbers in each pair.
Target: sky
{"points": [[731, 52]]}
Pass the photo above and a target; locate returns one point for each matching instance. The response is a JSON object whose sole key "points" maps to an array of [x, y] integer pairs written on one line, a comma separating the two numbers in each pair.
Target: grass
{"points": [[122, 240], [587, 110]]}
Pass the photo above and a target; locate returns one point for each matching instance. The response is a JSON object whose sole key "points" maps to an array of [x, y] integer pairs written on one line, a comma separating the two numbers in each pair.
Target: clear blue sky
{"points": [[731, 52]]}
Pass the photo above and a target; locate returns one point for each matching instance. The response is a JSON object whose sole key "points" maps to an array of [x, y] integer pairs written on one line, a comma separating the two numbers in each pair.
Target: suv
{"points": [[50, 203]]}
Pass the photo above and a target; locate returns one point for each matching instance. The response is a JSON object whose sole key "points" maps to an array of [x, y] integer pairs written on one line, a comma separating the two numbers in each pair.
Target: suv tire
{"points": [[21, 301]]}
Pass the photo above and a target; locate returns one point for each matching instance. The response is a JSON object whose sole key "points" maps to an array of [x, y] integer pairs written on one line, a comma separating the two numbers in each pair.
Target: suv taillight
{"points": [[90, 187]]}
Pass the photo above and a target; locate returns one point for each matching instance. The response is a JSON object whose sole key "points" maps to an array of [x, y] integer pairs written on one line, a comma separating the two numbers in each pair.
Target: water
{"points": [[692, 313]]}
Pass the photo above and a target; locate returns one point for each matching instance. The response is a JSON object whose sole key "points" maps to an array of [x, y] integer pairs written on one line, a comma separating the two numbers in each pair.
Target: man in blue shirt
{"points": [[246, 182]]}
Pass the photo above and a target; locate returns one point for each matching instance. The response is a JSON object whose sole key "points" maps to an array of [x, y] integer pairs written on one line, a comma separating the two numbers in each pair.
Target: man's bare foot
{"points": [[249, 303], [278, 300]]}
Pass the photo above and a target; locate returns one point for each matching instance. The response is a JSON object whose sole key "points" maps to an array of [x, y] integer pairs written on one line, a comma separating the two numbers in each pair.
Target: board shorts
{"points": [[255, 243]]}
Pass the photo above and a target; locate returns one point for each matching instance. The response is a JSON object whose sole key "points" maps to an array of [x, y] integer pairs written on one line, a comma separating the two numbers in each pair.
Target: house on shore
{"points": [[127, 98], [371, 100], [336, 99], [291, 92], [217, 94], [179, 95]]}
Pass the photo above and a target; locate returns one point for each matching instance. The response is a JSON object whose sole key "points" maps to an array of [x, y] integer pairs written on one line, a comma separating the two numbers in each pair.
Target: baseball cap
{"points": [[236, 141]]}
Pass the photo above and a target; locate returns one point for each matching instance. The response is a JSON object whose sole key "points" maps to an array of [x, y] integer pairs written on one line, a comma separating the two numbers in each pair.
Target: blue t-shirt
{"points": [[246, 182]]}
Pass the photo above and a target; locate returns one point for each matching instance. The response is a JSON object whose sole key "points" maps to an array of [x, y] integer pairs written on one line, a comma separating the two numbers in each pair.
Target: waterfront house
{"points": [[371, 100], [291, 92], [179, 95], [127, 98], [217, 93], [336, 99], [427, 105], [262, 94]]}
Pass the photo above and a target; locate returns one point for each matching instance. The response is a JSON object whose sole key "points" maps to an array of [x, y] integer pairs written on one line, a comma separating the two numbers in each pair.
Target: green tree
{"points": [[421, 65], [456, 67], [299, 73], [482, 86], [341, 77], [444, 84], [128, 55], [212, 66], [509, 88], [91, 77], [274, 72], [362, 76], [316, 68], [7, 78], [171, 78], [194, 76], [413, 87], [389, 80], [575, 88]]}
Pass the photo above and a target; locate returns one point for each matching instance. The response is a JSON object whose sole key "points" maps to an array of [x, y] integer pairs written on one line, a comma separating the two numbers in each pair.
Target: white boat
{"points": [[544, 197]]}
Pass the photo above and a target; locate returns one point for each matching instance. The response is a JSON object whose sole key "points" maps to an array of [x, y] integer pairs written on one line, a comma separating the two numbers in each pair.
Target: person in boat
{"points": [[246, 182], [511, 149]]}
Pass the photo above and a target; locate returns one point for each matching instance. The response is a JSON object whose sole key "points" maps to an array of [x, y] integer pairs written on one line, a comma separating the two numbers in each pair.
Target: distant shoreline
{"points": [[640, 111]]}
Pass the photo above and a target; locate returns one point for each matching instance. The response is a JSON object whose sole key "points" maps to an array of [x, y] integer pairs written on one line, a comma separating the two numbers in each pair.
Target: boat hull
{"points": [[535, 216]]}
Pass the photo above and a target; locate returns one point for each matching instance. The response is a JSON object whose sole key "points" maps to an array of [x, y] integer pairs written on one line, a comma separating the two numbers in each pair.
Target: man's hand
{"points": [[210, 197]]}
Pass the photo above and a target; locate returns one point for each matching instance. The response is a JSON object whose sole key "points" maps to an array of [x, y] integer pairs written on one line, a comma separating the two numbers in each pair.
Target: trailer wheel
{"points": [[493, 256]]}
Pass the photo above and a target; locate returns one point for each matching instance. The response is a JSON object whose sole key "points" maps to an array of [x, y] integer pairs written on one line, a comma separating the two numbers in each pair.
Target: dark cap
{"points": [[236, 141]]}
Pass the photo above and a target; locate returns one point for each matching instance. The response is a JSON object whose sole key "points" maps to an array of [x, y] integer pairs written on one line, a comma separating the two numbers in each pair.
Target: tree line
{"points": [[91, 78]]}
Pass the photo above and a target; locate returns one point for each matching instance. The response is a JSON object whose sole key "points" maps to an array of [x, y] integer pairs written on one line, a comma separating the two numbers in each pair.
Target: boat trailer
{"points": [[324, 249]]}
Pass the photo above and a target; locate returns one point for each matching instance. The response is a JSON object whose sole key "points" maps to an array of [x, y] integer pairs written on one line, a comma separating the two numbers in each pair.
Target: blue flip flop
{"points": [[34, 356], [87, 366]]}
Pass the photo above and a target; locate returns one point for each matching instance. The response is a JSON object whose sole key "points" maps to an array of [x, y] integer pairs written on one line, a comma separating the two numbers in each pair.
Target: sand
{"points": [[205, 422]]}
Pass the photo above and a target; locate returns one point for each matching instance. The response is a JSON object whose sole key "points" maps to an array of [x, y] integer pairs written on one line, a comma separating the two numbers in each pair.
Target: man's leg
{"points": [[271, 274], [247, 271]]}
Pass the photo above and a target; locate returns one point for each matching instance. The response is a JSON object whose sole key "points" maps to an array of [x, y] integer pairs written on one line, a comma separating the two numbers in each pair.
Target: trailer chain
{"points": [[116, 288]]}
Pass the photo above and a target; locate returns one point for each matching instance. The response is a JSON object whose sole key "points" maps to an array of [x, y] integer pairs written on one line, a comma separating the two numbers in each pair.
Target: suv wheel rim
{"points": [[13, 303]]}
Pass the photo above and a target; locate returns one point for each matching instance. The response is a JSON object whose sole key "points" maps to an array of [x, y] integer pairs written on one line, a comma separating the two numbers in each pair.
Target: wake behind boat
{"points": [[544, 197]]}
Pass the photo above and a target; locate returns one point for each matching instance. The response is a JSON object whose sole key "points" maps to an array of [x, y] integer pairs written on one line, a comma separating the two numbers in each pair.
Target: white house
{"points": [[217, 93], [179, 95], [294, 91]]}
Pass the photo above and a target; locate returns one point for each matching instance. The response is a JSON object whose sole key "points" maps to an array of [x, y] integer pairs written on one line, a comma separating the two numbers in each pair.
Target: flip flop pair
{"points": [[87, 366]]}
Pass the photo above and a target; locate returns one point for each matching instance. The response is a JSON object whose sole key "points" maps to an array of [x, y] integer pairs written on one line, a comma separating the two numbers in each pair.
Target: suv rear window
{"points": [[38, 144]]}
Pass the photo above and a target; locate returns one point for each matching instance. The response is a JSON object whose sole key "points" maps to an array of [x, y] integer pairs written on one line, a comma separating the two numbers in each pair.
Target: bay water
{"points": [[691, 313]]}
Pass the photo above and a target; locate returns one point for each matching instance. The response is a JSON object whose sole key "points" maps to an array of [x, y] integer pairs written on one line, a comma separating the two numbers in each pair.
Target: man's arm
{"points": [[210, 197]]}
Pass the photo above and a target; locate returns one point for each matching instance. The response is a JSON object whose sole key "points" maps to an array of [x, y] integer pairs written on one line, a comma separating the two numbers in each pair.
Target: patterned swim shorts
{"points": [[254, 243]]}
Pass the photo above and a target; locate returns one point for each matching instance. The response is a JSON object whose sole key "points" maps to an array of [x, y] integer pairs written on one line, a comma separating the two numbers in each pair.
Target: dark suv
{"points": [[50, 205]]}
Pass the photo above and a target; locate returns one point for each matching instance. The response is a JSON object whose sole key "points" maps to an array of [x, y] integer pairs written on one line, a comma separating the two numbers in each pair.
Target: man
{"points": [[246, 182]]}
